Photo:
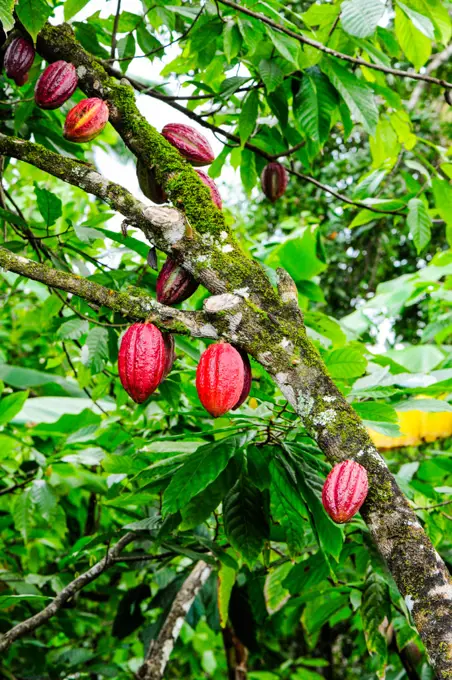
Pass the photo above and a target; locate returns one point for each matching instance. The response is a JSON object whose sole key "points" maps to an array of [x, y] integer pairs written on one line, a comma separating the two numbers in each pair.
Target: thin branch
{"points": [[115, 31], [334, 53], [432, 507], [19, 485], [160, 649], [31, 624], [437, 61], [135, 304]]}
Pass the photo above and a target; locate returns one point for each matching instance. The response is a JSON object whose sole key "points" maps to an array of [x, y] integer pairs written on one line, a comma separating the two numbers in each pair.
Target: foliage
{"points": [[79, 462]]}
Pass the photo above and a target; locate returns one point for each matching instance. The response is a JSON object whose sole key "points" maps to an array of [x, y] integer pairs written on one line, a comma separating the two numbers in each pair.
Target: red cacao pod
{"points": [[220, 378], [142, 360], [174, 283], [168, 339], [18, 59], [56, 85], [190, 143], [86, 120], [215, 194], [148, 183], [345, 491], [274, 181], [247, 379]]}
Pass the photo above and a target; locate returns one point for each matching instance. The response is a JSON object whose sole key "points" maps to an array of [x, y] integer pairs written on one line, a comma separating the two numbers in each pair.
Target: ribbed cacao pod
{"points": [[274, 181], [142, 361], [174, 283], [18, 59], [56, 85], [168, 339], [86, 120], [220, 378], [190, 143], [149, 185], [215, 194], [345, 491], [247, 379]]}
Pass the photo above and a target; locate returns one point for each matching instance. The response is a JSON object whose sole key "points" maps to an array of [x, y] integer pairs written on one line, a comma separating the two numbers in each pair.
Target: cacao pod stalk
{"points": [[19, 57], [174, 283], [190, 143], [247, 379], [142, 361], [220, 378], [86, 120], [345, 490], [214, 193], [149, 185], [274, 181], [56, 85]]}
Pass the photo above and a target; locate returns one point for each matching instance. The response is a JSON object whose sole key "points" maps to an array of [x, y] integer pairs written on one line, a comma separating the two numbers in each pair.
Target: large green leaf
{"points": [[358, 96], [248, 116], [22, 378], [361, 17], [33, 15], [11, 405], [346, 362], [245, 521], [298, 255], [201, 469], [49, 205], [72, 7], [419, 223], [416, 46], [288, 507], [314, 105], [6, 14], [374, 612]]}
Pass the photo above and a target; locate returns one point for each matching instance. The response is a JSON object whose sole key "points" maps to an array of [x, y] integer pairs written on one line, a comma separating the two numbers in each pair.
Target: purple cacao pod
{"points": [[345, 490], [220, 378], [190, 143], [56, 85], [19, 57], [247, 379], [142, 360], [274, 180], [86, 120], [148, 183], [174, 283], [215, 194]]}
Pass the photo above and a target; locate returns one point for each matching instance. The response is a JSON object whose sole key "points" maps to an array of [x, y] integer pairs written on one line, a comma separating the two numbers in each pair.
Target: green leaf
{"points": [[346, 362], [33, 15], [307, 574], [358, 96], [72, 7], [288, 47], [248, 173], [245, 522], [420, 21], [49, 205], [43, 498], [442, 192], [374, 611], [97, 346], [22, 513], [326, 326], [201, 469], [126, 51], [330, 535], [272, 75], [419, 223], [147, 41], [314, 105], [226, 580], [11, 405], [416, 46], [372, 410], [6, 14], [287, 507], [248, 116], [361, 17], [201, 506], [276, 595], [232, 40], [73, 329]]}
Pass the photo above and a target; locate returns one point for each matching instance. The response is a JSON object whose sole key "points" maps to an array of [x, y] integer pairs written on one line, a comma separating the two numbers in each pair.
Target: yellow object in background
{"points": [[416, 427]]}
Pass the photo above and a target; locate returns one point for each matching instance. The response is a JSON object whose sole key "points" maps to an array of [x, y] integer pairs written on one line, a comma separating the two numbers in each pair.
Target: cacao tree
{"points": [[225, 370]]}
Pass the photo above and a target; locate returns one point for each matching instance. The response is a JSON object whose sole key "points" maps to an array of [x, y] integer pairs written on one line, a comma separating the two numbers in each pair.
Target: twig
{"points": [[436, 62], [160, 649], [10, 489], [432, 507], [334, 53], [31, 624], [115, 31]]}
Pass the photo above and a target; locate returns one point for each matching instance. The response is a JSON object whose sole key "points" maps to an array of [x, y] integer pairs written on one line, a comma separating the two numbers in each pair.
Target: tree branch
{"points": [[437, 61], [135, 304], [334, 53], [31, 624], [160, 649]]}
